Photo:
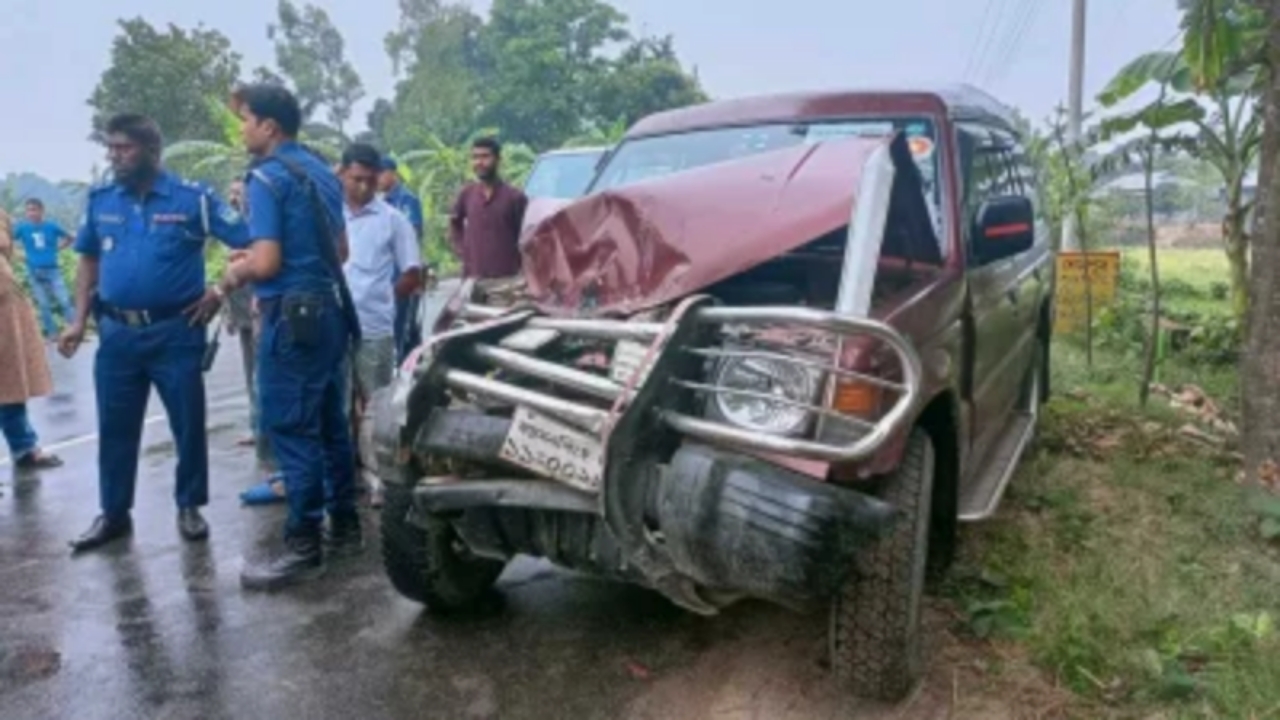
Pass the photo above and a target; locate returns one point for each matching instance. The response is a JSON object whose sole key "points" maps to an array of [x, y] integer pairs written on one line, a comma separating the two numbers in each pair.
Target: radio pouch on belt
{"points": [[302, 313]]}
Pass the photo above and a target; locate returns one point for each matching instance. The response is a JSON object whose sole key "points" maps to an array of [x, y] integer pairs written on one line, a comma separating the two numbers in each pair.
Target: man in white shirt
{"points": [[380, 239]]}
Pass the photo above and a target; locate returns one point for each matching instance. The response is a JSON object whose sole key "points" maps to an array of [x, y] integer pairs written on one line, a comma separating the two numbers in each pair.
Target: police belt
{"points": [[269, 304], [140, 318]]}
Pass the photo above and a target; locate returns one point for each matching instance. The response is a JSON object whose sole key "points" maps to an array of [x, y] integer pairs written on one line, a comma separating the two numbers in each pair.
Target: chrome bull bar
{"points": [[875, 433], [872, 434]]}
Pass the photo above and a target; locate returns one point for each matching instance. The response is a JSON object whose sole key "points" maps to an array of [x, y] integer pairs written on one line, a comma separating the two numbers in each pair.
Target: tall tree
{"points": [[440, 93], [644, 79], [312, 55], [404, 44], [166, 74], [1260, 363], [546, 59]]}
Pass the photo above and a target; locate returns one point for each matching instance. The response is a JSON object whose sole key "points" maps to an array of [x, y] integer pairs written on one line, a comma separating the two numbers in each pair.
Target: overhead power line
{"points": [[1009, 51], [983, 41]]}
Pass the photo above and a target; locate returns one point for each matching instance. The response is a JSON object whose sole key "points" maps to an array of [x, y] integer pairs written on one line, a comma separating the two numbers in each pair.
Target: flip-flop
{"points": [[264, 493]]}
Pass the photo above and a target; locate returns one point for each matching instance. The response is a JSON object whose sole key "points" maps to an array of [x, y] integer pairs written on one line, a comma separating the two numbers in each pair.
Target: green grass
{"points": [[1188, 277], [1127, 563]]}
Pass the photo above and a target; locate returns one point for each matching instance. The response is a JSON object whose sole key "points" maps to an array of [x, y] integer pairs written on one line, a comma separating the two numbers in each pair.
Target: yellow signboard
{"points": [[1069, 300]]}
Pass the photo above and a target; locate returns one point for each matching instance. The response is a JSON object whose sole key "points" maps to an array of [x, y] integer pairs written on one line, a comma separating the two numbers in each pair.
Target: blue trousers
{"points": [[17, 430], [129, 362], [300, 391], [47, 287]]}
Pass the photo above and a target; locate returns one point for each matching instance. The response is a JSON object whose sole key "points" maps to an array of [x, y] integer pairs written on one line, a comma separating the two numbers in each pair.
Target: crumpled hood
{"points": [[621, 251], [538, 209]]}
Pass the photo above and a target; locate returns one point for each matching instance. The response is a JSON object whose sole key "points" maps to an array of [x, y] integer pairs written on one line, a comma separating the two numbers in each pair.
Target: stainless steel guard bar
{"points": [[598, 329], [583, 416], [584, 382], [889, 424], [593, 419]]}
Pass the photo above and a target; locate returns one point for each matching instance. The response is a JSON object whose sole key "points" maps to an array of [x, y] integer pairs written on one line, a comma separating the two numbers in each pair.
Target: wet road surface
{"points": [[158, 628]]}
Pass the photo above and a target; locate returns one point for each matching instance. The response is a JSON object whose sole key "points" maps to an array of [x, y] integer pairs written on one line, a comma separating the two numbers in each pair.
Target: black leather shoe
{"points": [[191, 525], [301, 560], [103, 531], [38, 460], [343, 537]]}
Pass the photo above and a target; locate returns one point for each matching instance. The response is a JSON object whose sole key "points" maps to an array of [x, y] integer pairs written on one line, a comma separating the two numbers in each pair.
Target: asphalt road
{"points": [[157, 628]]}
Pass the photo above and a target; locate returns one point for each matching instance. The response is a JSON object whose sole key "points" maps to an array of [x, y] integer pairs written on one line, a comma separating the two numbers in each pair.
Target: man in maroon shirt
{"points": [[484, 227]]}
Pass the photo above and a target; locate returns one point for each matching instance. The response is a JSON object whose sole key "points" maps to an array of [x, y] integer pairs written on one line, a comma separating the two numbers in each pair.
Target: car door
{"points": [[1031, 270], [994, 289]]}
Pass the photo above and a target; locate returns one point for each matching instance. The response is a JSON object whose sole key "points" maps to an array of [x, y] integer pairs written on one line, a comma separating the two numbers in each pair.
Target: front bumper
{"points": [[716, 522], [696, 508]]}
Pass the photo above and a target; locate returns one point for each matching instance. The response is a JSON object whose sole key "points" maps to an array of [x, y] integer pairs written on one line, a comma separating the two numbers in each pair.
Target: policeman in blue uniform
{"points": [[395, 194], [142, 275], [298, 236]]}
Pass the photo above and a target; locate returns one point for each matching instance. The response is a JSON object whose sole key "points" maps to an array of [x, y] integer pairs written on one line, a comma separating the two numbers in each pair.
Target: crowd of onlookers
{"points": [[322, 289]]}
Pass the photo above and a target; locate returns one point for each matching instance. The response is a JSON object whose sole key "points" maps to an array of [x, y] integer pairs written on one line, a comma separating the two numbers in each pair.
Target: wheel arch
{"points": [[940, 419]]}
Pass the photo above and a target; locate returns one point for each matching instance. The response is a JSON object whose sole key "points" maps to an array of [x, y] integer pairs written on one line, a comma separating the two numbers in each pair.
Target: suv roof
{"points": [[580, 150], [960, 102]]}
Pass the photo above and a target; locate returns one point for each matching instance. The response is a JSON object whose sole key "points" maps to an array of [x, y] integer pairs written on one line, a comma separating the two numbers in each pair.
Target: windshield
{"points": [[565, 176], [658, 155]]}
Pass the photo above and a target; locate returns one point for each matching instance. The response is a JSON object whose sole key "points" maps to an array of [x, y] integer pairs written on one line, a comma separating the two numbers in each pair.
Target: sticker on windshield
{"points": [[921, 147], [833, 131]]}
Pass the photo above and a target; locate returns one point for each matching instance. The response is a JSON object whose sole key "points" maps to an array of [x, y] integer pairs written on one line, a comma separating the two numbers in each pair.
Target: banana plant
{"points": [[218, 162], [1227, 135]]}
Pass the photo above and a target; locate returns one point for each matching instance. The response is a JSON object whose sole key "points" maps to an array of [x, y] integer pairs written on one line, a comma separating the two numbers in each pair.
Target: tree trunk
{"points": [[1237, 246], [1153, 337], [1260, 364]]}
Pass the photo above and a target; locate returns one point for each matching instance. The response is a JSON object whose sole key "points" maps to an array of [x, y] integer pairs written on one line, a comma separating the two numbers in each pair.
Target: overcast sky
{"points": [[53, 51]]}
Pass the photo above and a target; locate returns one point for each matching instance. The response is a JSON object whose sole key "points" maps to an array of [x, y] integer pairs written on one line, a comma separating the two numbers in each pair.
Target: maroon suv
{"points": [[778, 351]]}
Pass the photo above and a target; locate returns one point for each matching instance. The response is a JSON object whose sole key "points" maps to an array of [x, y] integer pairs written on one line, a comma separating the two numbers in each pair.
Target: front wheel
{"points": [[431, 566], [875, 628]]}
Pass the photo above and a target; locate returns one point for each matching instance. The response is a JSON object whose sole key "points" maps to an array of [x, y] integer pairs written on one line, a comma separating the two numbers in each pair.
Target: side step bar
{"points": [[980, 500]]}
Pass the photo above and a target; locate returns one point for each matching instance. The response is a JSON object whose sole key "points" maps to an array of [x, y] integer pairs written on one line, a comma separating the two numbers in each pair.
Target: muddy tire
{"points": [[875, 628], [430, 566]]}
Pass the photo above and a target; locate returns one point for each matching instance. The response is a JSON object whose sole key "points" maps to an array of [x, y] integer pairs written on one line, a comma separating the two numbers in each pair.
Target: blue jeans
{"points": [[168, 355], [47, 287], [17, 430], [300, 389]]}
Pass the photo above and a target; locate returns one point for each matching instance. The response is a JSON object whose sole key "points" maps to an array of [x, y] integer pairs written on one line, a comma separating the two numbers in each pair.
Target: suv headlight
{"points": [[764, 378]]}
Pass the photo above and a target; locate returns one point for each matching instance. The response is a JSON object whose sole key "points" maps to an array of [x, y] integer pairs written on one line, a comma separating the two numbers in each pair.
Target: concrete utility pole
{"points": [[1075, 108]]}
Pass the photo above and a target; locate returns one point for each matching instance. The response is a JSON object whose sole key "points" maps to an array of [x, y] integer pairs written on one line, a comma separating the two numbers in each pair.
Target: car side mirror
{"points": [[1003, 227]]}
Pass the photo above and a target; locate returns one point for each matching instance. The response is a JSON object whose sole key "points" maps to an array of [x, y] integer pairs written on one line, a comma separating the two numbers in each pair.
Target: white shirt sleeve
{"points": [[404, 243]]}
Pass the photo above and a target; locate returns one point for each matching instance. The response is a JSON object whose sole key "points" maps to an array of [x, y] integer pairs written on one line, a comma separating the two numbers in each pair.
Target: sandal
{"points": [[267, 492]]}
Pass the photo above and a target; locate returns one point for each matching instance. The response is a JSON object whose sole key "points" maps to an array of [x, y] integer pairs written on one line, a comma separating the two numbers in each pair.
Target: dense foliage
{"points": [[537, 73]]}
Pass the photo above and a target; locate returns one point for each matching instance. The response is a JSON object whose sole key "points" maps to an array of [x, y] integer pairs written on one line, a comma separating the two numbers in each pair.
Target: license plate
{"points": [[628, 358], [555, 450]]}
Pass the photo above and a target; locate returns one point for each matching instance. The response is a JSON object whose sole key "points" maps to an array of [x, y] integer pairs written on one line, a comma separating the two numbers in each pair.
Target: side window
{"points": [[987, 166]]}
